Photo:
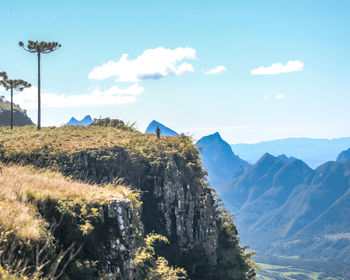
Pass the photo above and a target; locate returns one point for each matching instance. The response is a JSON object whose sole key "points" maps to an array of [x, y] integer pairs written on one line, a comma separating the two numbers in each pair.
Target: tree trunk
{"points": [[11, 107], [39, 102]]}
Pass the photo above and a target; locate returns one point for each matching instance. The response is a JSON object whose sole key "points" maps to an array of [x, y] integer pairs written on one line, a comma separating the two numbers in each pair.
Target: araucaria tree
{"points": [[12, 85], [40, 48], [3, 76]]}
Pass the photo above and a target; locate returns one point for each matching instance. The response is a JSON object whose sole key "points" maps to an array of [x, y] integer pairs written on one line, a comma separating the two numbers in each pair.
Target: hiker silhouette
{"points": [[158, 132]]}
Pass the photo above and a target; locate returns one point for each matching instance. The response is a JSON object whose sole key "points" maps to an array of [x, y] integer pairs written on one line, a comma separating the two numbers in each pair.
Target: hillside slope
{"points": [[20, 117]]}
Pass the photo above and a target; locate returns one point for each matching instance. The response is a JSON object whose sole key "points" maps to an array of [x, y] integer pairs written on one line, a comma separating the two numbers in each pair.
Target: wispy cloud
{"points": [[278, 68], [112, 96], [216, 70], [151, 64], [338, 236], [277, 96]]}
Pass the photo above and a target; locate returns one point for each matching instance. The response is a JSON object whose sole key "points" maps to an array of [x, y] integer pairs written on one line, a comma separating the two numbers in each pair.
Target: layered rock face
{"points": [[111, 243], [179, 207], [188, 215], [119, 248]]}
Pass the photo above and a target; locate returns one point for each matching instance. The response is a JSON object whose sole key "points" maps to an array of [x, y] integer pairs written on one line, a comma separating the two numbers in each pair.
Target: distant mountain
{"points": [[285, 208], [313, 151], [164, 131], [20, 117], [344, 156], [219, 160], [87, 120], [285, 158]]}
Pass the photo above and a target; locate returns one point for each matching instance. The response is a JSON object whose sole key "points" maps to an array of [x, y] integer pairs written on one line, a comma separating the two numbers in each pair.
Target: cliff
{"points": [[50, 212], [176, 200]]}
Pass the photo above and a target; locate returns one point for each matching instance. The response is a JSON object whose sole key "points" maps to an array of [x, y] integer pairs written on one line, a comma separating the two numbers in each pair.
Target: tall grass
{"points": [[18, 184]]}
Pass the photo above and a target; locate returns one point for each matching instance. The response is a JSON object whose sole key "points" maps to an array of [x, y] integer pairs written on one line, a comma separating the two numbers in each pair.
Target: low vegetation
{"points": [[20, 185], [150, 266]]}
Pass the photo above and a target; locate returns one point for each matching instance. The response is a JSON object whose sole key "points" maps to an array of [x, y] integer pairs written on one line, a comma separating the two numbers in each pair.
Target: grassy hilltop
{"points": [[28, 140]]}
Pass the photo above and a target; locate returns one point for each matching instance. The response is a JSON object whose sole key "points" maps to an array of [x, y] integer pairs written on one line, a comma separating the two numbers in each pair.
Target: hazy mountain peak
{"points": [[286, 158], [164, 130], [344, 156], [266, 159], [219, 160], [215, 137], [87, 120], [217, 134]]}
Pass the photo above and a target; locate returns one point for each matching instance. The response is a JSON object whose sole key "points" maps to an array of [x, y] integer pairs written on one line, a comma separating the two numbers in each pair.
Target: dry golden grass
{"points": [[19, 215], [22, 218], [74, 139]]}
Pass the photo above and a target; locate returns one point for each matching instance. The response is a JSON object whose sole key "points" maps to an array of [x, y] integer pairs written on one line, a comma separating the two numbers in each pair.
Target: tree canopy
{"points": [[42, 47]]}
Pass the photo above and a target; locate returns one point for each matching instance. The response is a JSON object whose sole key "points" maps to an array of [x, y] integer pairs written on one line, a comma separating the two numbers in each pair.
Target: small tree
{"points": [[39, 48], [17, 85]]}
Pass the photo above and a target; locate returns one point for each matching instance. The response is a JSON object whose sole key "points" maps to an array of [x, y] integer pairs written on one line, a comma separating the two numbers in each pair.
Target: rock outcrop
{"points": [[176, 202]]}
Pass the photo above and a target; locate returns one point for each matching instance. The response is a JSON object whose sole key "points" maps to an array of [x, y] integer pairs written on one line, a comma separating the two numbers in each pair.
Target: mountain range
{"points": [[287, 208], [313, 151], [87, 120], [282, 206]]}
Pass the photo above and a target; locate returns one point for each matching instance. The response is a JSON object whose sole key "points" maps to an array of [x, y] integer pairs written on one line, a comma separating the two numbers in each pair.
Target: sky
{"points": [[252, 70]]}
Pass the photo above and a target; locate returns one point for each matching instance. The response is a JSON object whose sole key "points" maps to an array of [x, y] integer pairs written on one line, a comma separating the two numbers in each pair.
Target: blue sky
{"points": [[171, 48]]}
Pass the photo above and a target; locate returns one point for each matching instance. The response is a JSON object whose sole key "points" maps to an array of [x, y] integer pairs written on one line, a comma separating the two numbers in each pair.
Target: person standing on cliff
{"points": [[158, 132]]}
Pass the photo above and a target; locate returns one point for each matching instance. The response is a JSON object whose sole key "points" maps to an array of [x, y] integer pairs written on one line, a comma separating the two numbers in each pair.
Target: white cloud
{"points": [[278, 68], [279, 96], [338, 236], [216, 70], [151, 64], [28, 98]]}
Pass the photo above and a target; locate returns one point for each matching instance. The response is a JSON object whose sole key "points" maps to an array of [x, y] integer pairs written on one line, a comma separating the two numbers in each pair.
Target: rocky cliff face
{"points": [[176, 202], [116, 254], [188, 215], [111, 243]]}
